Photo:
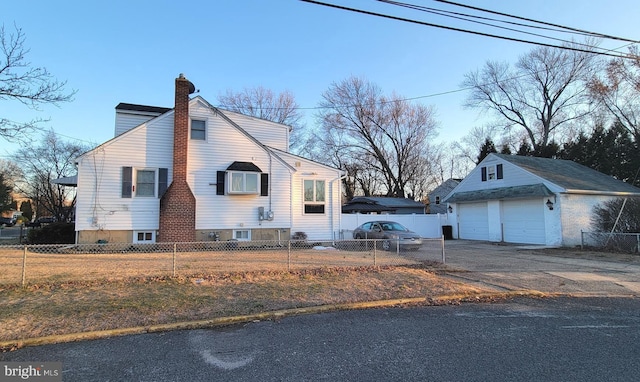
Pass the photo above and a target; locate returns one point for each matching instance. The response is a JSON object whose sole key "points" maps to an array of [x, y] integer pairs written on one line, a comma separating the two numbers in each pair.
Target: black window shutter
{"points": [[127, 181], [264, 184], [220, 183], [484, 174], [162, 181], [499, 171]]}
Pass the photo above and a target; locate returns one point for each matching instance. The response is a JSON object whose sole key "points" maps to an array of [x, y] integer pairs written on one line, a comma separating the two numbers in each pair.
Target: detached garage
{"points": [[473, 221], [530, 200]]}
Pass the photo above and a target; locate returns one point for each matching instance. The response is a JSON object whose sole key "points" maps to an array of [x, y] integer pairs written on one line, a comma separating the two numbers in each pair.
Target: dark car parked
{"points": [[7, 222], [390, 232], [40, 221]]}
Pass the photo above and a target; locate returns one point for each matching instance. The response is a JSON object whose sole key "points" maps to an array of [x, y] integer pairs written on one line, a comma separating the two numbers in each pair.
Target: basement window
{"points": [[242, 234], [144, 237]]}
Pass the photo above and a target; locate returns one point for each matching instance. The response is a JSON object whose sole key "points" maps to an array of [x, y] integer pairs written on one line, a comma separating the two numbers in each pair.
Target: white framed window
{"points": [[314, 196], [437, 200], [198, 129], [491, 172], [241, 182], [144, 182], [144, 236], [242, 234]]}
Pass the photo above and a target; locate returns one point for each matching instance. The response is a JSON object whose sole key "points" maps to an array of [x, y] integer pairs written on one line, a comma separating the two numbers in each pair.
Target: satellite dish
{"points": [[192, 88]]}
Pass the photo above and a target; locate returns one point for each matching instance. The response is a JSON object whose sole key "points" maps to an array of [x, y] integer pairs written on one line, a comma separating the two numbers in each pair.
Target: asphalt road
{"points": [[554, 339]]}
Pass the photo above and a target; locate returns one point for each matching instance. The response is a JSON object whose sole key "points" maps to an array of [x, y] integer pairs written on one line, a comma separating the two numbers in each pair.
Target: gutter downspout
{"points": [[339, 178]]}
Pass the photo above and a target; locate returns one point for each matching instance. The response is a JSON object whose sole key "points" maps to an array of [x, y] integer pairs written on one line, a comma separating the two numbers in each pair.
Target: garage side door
{"points": [[523, 221], [473, 222]]}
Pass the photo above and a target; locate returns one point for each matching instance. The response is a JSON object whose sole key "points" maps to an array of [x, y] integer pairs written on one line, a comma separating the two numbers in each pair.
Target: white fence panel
{"points": [[427, 225]]}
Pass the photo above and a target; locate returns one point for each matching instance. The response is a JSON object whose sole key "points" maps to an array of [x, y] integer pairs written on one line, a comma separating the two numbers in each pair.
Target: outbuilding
{"points": [[519, 199]]}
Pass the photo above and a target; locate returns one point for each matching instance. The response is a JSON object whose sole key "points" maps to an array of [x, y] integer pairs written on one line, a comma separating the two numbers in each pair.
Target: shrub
{"points": [[54, 233], [605, 215]]}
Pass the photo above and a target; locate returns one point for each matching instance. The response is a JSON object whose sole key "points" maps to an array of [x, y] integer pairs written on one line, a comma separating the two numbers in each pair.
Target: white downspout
{"points": [[339, 203]]}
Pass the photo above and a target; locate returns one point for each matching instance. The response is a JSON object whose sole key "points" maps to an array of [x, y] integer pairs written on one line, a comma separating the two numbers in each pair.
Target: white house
{"points": [[519, 199], [197, 173]]}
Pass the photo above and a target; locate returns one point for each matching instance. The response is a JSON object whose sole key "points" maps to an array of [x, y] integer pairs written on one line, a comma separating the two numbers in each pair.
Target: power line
{"points": [[536, 21], [435, 10], [469, 17], [370, 13]]}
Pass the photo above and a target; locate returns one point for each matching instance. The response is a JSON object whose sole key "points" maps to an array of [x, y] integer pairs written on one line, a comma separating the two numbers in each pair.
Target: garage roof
{"points": [[569, 175], [516, 192]]}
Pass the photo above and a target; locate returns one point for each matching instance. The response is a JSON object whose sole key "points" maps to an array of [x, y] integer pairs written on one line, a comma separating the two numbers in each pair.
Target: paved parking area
{"points": [[565, 271]]}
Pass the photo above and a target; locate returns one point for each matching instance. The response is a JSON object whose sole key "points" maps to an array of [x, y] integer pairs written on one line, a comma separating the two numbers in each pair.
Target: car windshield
{"points": [[392, 226]]}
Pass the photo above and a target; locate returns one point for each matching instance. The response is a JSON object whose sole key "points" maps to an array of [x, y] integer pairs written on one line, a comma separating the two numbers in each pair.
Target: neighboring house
{"points": [[381, 204], [519, 199], [198, 173], [436, 197]]}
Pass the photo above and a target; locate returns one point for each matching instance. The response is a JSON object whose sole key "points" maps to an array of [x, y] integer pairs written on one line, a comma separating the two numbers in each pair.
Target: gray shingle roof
{"points": [[528, 191], [569, 175], [387, 201]]}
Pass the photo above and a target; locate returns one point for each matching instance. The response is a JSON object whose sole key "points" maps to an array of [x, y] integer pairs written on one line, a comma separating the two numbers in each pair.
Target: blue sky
{"points": [[131, 51]]}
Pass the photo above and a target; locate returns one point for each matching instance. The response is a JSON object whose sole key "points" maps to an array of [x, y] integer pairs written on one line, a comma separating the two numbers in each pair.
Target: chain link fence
{"points": [[618, 242], [33, 264]]}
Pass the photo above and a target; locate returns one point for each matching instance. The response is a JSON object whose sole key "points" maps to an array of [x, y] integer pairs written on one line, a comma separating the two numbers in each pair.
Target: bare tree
{"points": [[265, 104], [386, 136], [22, 83], [543, 93], [618, 91], [52, 159]]}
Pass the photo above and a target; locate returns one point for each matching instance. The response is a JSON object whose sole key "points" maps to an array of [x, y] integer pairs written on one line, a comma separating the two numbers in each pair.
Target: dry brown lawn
{"points": [[51, 308], [60, 264]]}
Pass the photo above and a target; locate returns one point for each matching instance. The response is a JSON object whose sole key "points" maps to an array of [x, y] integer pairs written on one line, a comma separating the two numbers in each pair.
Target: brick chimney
{"points": [[178, 205]]}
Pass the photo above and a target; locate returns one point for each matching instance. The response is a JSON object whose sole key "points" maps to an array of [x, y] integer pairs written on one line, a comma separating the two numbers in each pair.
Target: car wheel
{"points": [[357, 237], [386, 245]]}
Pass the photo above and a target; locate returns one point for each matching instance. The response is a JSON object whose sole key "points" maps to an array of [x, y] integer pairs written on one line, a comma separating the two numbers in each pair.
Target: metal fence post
{"points": [[374, 252], [638, 241], [289, 256], [581, 240], [174, 258], [24, 266], [442, 244]]}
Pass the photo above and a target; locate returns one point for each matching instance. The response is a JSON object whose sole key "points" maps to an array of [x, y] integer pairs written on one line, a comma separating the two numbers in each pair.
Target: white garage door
{"points": [[523, 221], [473, 222]]}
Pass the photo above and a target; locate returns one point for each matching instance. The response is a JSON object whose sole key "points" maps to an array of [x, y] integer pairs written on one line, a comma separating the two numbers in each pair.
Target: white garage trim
{"points": [[523, 221], [473, 221]]}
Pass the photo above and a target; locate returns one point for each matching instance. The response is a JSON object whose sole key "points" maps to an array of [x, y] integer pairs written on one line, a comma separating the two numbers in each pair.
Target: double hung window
{"points": [[314, 196]]}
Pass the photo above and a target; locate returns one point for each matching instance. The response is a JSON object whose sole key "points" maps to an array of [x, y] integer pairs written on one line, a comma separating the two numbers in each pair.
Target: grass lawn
{"points": [[51, 308]]}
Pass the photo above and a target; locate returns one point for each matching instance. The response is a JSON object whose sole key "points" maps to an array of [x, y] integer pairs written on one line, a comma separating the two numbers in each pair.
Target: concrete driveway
{"points": [[568, 271]]}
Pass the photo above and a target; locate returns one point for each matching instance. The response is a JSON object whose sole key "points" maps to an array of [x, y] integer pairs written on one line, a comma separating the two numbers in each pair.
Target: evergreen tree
{"points": [[5, 194], [487, 148], [505, 149], [27, 209], [524, 149]]}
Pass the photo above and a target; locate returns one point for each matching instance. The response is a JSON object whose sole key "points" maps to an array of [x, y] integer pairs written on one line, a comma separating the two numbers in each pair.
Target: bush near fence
{"points": [[34, 264], [617, 242]]}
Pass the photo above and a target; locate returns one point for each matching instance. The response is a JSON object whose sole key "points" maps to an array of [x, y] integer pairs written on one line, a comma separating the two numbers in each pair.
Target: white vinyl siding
{"points": [[127, 120], [269, 133], [100, 205]]}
